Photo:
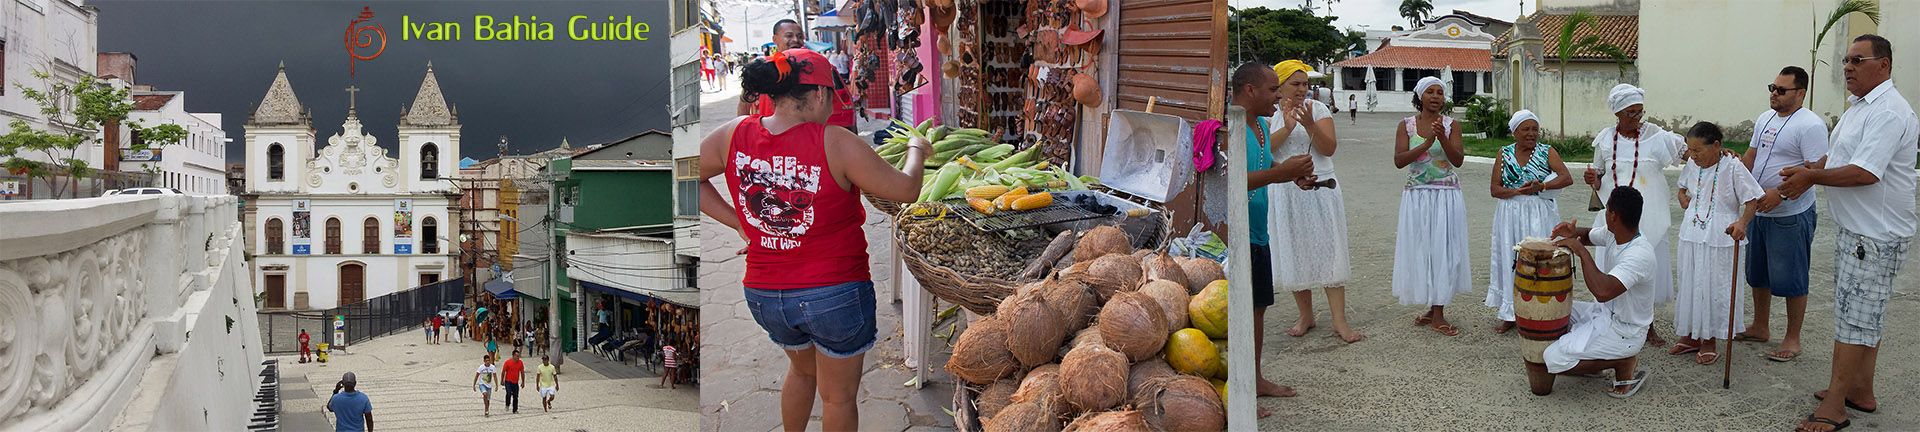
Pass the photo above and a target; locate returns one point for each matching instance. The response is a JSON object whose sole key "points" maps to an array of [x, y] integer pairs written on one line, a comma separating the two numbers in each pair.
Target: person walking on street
{"points": [[512, 374], [1869, 176], [352, 411], [305, 351], [806, 265], [548, 378], [1780, 238], [669, 379], [483, 383]]}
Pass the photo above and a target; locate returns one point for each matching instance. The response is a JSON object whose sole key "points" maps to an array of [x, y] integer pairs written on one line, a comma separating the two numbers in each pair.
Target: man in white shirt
{"points": [[1609, 335], [1780, 237], [1869, 177]]}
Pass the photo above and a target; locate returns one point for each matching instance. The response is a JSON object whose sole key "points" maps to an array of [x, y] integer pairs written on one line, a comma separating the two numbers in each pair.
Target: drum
{"points": [[1542, 282]]}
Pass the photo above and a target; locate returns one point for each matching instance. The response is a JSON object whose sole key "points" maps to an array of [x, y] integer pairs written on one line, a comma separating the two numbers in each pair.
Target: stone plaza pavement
{"points": [[414, 386], [743, 370]]}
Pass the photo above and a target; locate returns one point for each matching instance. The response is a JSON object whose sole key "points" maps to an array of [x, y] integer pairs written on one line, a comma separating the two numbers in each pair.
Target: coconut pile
{"points": [[1118, 340]]}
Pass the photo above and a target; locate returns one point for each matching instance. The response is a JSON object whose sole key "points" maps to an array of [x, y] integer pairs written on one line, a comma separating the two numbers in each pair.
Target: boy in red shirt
{"points": [[510, 373], [304, 351]]}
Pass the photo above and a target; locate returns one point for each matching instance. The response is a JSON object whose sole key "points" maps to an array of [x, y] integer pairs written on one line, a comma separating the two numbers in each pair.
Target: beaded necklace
{"points": [[1700, 219], [1635, 160]]}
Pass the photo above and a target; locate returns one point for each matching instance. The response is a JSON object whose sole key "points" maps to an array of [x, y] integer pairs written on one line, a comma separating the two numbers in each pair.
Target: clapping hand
{"points": [[1301, 114]]}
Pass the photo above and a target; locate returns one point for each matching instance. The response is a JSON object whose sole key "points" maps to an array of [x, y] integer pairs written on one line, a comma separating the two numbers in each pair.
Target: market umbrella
{"points": [[1373, 94]]}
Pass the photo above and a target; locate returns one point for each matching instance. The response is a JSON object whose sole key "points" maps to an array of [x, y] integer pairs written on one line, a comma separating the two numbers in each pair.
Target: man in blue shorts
{"points": [[1780, 237]]}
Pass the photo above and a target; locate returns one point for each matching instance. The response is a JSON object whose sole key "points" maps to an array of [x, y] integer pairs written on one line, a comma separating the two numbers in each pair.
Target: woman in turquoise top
{"points": [[1430, 254], [1526, 179]]}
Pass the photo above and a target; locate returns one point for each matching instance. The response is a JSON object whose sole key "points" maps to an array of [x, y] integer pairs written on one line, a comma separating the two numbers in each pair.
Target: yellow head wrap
{"points": [[1287, 68]]}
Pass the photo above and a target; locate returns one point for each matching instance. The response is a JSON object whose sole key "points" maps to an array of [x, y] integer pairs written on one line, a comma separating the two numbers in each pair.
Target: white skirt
{"points": [[1430, 250], [1514, 219], [1309, 237], [1700, 308]]}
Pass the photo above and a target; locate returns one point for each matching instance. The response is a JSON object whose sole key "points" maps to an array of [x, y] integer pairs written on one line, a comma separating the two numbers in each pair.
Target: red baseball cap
{"points": [[819, 72]]}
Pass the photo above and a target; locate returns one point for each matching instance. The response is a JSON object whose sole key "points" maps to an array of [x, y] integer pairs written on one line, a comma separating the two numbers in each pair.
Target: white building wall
{"points": [[57, 37], [318, 274], [196, 165], [296, 141], [1721, 73], [412, 140]]}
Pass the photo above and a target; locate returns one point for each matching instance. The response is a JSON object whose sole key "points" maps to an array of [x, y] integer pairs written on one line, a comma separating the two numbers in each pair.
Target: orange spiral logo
{"points": [[363, 36]]}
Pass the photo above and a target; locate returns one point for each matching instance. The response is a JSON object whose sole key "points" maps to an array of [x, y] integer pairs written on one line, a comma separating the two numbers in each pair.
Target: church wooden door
{"points": [[276, 291], [352, 284]]}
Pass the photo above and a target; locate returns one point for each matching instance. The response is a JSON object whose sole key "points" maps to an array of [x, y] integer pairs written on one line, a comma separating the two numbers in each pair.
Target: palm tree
{"points": [[1587, 45], [1848, 7], [1415, 11]]}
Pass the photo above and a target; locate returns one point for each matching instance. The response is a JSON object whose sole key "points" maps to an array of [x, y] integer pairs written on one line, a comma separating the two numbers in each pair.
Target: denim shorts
{"points": [[1778, 251], [839, 319]]}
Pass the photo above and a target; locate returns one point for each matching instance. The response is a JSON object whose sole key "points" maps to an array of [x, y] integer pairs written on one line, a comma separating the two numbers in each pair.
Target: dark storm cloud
{"points": [[224, 55]]}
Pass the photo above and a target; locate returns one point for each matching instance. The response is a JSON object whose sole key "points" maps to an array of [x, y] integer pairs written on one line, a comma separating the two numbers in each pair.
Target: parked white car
{"points": [[146, 191]]}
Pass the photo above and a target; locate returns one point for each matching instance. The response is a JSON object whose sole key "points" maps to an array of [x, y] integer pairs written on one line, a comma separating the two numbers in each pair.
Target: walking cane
{"points": [[1733, 311]]}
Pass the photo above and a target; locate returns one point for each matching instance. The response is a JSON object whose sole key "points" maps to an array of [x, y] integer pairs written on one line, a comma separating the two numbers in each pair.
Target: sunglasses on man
{"points": [[1857, 60], [1782, 91]]}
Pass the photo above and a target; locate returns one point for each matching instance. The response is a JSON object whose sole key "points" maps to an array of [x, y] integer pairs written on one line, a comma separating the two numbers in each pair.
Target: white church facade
{"points": [[344, 222]]}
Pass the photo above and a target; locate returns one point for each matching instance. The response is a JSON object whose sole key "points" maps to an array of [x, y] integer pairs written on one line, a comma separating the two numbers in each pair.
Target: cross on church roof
{"points": [[351, 90]]}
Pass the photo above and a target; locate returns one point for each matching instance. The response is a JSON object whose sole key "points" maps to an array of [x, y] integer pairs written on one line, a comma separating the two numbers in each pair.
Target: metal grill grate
{"points": [[1012, 219]]}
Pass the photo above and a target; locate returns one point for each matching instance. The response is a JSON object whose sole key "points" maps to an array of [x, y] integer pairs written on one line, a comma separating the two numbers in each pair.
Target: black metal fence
{"points": [[375, 317]]}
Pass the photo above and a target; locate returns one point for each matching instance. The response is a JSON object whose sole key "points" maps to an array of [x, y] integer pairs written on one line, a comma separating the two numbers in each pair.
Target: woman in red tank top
{"points": [[793, 193]]}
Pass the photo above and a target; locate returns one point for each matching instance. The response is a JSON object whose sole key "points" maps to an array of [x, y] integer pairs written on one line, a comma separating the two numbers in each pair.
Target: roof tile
{"points": [[1461, 59], [1622, 31]]}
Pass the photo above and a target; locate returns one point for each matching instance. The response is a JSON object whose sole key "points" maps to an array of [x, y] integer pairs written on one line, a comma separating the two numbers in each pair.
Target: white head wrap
{"points": [[1521, 117], [1420, 88], [1625, 95]]}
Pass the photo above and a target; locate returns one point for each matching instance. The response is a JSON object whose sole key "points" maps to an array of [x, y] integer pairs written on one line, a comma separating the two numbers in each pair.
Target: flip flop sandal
{"points": [[1743, 337], [1850, 405], [1681, 348], [1633, 385], [1775, 356], [1706, 358], [1446, 329], [1836, 426], [1423, 320]]}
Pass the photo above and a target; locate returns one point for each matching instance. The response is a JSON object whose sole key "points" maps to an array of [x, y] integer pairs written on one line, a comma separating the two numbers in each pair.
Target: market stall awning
{"points": [[502, 289], [690, 298], [831, 22], [1461, 59]]}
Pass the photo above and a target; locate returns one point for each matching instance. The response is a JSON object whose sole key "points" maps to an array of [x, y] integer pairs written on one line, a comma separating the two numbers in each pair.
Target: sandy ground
{"points": [[1475, 381]]}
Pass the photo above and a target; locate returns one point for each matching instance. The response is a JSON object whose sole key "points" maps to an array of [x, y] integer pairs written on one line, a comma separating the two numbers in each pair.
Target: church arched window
{"points": [[276, 162], [429, 162], [333, 236], [429, 235], [370, 236]]}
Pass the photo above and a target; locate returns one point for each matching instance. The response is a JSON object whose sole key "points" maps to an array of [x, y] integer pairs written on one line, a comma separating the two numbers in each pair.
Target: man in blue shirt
{"points": [[1257, 89], [351, 409]]}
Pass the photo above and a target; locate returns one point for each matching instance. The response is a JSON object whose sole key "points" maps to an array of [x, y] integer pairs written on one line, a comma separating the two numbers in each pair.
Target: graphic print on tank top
{"points": [[778, 195]]}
